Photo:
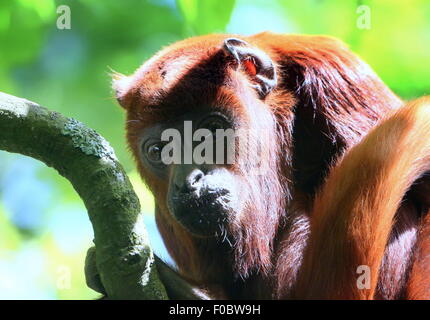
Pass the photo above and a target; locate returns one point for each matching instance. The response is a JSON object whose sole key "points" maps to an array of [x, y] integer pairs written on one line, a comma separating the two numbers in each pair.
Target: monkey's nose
{"points": [[190, 181], [193, 181]]}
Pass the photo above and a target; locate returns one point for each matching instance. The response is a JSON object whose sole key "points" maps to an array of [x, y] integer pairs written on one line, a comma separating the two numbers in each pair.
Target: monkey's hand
{"points": [[92, 276], [176, 286]]}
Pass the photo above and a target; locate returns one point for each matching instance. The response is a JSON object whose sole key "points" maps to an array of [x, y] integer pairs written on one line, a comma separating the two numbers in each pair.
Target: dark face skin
{"points": [[201, 196]]}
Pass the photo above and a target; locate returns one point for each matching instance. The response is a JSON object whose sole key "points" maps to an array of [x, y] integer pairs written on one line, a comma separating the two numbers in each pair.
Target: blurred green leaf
{"points": [[206, 16]]}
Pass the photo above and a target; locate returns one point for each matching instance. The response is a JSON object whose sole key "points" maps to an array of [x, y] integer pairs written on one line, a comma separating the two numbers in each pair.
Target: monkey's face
{"points": [[204, 135], [194, 156]]}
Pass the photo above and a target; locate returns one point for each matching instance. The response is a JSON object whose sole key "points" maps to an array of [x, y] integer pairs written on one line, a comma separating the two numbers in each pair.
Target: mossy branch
{"points": [[124, 259]]}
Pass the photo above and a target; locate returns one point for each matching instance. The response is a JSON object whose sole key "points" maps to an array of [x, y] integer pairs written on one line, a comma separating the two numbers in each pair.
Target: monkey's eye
{"points": [[213, 123], [153, 152]]}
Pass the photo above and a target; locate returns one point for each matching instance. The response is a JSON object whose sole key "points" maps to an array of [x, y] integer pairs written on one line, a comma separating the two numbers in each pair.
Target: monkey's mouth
{"points": [[204, 214]]}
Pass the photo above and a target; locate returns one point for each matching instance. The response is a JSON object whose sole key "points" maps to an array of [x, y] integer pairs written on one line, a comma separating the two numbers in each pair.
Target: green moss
{"points": [[88, 140]]}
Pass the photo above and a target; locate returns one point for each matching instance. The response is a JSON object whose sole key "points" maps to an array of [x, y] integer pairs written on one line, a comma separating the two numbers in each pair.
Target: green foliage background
{"points": [[44, 230]]}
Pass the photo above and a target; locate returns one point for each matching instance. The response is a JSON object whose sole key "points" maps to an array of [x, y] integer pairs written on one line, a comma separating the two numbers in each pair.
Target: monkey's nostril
{"points": [[194, 179], [197, 177]]}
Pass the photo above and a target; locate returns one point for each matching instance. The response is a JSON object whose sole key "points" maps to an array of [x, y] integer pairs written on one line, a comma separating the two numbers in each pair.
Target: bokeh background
{"points": [[44, 228]]}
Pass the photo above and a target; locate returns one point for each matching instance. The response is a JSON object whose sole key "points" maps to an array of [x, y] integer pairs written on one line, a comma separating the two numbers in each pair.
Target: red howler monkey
{"points": [[344, 184]]}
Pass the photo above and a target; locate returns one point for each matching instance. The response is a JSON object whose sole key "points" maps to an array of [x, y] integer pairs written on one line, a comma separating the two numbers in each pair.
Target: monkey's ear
{"points": [[256, 63], [121, 85]]}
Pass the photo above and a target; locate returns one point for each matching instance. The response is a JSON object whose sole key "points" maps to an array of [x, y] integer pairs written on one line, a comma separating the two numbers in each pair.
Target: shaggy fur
{"points": [[345, 183]]}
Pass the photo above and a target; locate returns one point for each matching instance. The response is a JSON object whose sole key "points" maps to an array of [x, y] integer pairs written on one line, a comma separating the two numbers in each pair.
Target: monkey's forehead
{"points": [[188, 73], [198, 57]]}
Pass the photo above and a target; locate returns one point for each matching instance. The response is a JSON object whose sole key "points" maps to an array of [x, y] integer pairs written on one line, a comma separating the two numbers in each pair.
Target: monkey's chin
{"points": [[201, 229], [202, 217]]}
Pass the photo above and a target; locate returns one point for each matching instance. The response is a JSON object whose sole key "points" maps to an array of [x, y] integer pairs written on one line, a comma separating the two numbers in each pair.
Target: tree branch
{"points": [[124, 259]]}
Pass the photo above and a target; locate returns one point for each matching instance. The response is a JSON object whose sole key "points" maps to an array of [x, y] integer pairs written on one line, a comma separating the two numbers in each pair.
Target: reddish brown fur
{"points": [[326, 100], [360, 216], [418, 286]]}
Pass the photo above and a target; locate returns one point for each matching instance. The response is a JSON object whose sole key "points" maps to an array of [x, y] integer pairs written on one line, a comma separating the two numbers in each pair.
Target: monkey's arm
{"points": [[176, 286], [353, 213]]}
